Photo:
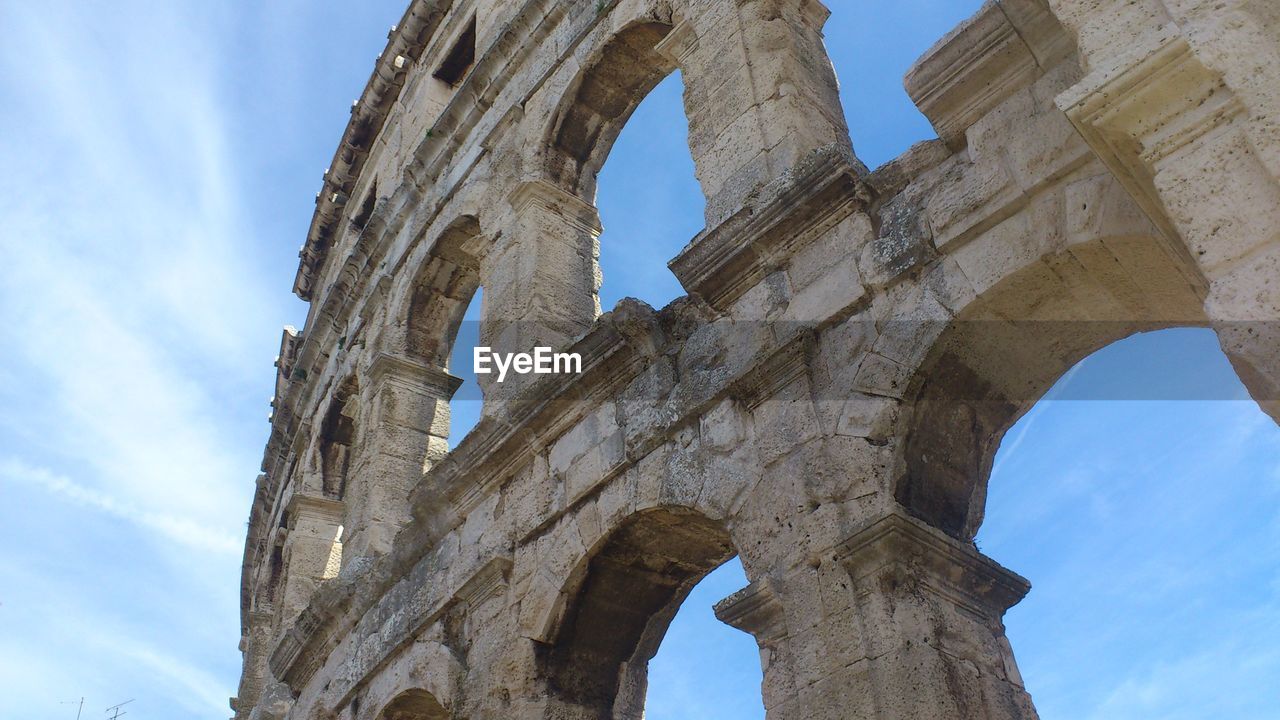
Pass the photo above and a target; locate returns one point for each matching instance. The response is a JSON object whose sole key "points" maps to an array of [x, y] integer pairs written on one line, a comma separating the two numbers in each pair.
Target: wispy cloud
{"points": [[1022, 428], [1234, 678], [183, 530], [138, 321], [131, 307], [67, 649]]}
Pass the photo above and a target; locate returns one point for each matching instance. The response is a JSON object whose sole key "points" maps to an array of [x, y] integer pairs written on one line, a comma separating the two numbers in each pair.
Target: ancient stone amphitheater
{"points": [[824, 403]]}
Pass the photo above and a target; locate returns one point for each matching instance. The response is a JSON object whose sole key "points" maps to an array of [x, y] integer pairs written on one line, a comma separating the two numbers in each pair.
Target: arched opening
{"points": [[622, 605], [625, 70], [629, 108], [705, 668], [1140, 497], [1006, 349], [414, 705], [649, 200], [442, 320], [977, 410], [443, 290]]}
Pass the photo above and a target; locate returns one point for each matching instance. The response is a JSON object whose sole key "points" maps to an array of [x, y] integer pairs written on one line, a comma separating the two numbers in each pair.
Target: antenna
{"points": [[79, 702], [115, 709]]}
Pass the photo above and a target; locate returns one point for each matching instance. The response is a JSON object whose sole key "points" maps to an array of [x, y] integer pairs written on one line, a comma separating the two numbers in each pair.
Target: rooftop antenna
{"points": [[115, 709], [79, 702]]}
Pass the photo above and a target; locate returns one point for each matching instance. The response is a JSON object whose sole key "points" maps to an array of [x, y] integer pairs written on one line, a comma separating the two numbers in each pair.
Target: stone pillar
{"points": [[900, 622], [256, 648], [312, 551], [540, 279], [482, 605], [929, 611], [758, 610], [408, 431], [760, 93], [1173, 106]]}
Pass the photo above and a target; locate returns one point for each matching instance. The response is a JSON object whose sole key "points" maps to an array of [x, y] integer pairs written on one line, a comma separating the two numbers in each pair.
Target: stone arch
{"points": [[760, 94], [1007, 347], [622, 598], [422, 683], [414, 705], [441, 291], [616, 78]]}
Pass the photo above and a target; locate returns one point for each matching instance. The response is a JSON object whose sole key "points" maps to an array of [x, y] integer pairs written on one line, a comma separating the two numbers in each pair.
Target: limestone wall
{"points": [[825, 403]]}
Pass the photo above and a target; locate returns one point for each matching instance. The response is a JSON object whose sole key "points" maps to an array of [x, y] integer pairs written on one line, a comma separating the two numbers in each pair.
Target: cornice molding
{"points": [[721, 264], [551, 198], [903, 546], [405, 44], [315, 506], [756, 609], [679, 44], [1150, 104], [434, 381]]}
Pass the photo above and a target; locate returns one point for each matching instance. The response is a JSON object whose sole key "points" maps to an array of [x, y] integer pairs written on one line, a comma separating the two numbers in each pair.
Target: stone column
{"points": [[407, 431], [758, 610], [256, 648], [760, 93], [540, 279], [930, 610], [1181, 103], [312, 551], [900, 622]]}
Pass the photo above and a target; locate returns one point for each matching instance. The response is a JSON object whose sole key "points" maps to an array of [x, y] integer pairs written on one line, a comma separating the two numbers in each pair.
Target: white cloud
{"points": [[129, 295], [139, 325], [179, 529]]}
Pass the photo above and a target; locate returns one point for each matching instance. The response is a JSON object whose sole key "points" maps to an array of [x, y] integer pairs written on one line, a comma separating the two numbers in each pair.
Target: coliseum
{"points": [[826, 401]]}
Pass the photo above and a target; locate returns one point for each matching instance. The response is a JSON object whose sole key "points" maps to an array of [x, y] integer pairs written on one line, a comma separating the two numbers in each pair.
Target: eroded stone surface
{"points": [[825, 403]]}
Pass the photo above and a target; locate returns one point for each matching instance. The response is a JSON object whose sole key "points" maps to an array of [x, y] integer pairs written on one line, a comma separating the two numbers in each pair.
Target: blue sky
{"points": [[162, 157]]}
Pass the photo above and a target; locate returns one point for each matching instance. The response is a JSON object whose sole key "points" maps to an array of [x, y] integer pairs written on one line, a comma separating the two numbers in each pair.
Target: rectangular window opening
{"points": [[460, 57], [361, 218]]}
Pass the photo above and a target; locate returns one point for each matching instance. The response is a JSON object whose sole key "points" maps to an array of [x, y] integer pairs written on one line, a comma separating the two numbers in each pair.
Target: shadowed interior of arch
{"points": [[442, 321], [442, 291], [624, 72], [986, 371], [625, 598], [414, 705]]}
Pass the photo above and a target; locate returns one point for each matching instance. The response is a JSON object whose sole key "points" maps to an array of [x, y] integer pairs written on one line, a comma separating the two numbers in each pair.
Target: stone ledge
{"points": [[579, 213], [433, 380], [755, 609], [540, 413], [982, 62], [900, 545], [722, 263]]}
